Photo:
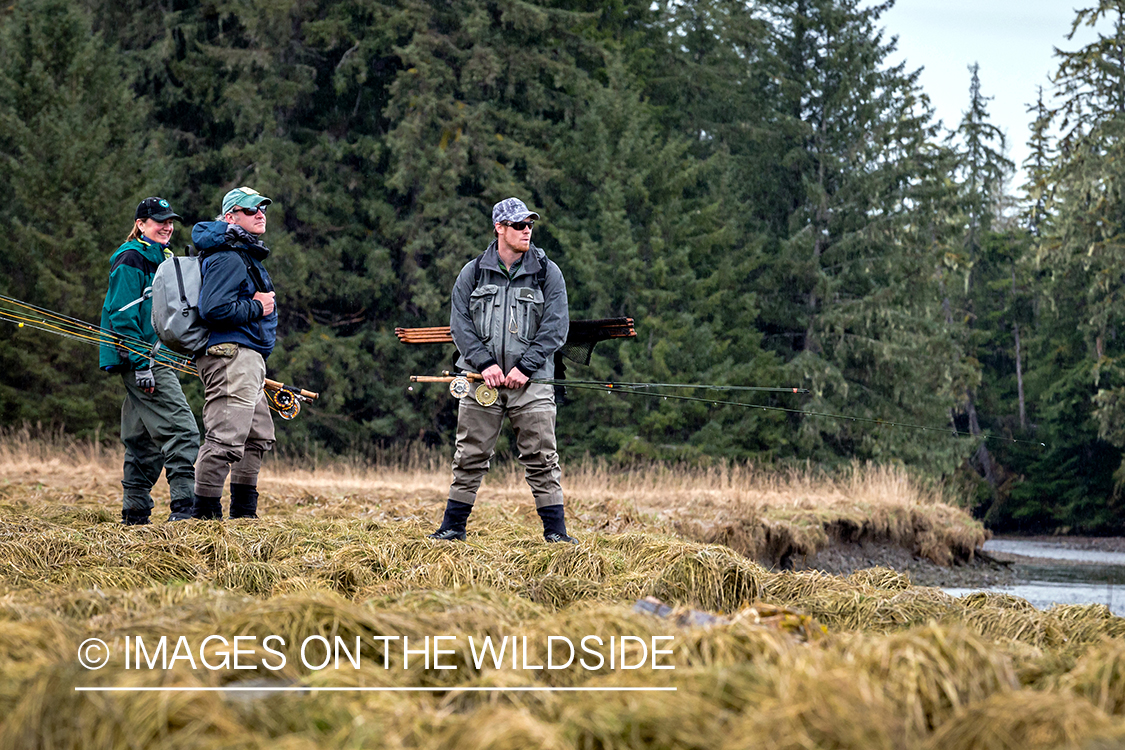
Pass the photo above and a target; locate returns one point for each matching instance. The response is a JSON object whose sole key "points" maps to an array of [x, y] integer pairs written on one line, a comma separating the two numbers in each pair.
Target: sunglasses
{"points": [[519, 226], [251, 211]]}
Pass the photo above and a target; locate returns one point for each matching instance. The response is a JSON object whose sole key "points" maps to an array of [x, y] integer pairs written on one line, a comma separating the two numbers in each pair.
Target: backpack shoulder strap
{"points": [[477, 272], [540, 275]]}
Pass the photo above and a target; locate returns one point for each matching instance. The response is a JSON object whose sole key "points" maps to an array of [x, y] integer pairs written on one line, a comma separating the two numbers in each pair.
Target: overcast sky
{"points": [[1012, 40]]}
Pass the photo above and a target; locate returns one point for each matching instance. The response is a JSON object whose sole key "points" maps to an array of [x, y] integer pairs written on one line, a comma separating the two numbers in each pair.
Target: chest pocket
{"points": [[528, 312], [482, 308]]}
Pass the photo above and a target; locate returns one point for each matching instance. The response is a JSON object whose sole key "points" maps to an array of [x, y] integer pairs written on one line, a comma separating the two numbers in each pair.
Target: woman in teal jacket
{"points": [[157, 426]]}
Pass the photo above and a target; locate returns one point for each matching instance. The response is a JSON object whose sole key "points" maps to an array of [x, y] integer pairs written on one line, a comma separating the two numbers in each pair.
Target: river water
{"points": [[1059, 574]]}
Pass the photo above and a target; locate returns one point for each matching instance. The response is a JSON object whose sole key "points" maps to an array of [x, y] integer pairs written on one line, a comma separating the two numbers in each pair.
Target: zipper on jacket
{"points": [[503, 337]]}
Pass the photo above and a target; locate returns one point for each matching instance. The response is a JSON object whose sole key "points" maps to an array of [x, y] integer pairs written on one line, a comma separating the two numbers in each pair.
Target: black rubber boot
{"points": [[135, 517], [243, 501], [554, 524], [453, 523], [208, 508], [181, 508]]}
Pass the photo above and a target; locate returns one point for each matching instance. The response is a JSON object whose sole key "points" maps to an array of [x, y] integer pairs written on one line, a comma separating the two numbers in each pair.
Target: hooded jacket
{"points": [[232, 272], [127, 310], [513, 322]]}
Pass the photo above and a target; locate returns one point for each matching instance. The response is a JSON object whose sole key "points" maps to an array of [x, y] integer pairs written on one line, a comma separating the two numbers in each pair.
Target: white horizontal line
{"points": [[292, 689]]}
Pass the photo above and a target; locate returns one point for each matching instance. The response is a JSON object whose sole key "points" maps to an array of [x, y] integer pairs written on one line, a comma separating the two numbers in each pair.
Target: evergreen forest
{"points": [[755, 182]]}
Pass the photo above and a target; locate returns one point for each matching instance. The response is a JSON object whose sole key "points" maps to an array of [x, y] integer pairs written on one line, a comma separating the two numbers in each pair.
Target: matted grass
{"points": [[767, 516], [761, 658]]}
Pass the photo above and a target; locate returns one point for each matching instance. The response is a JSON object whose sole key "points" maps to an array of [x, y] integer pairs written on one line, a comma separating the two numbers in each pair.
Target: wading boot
{"points": [[135, 517], [181, 508], [208, 508], [182, 492], [554, 525], [243, 501], [453, 523]]}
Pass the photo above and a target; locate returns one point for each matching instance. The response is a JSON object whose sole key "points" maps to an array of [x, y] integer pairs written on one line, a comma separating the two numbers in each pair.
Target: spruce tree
{"points": [[1080, 251], [981, 170], [849, 297], [73, 166]]}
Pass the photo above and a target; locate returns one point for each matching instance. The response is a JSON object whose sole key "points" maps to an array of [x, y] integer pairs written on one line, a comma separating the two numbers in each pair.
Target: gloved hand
{"points": [[146, 381]]}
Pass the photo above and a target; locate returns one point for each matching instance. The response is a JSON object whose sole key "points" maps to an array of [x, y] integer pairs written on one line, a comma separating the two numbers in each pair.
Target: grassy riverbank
{"points": [[776, 518], [761, 657]]}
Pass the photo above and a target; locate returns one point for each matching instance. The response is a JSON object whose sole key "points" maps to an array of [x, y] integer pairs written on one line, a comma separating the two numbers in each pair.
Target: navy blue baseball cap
{"points": [[156, 209]]}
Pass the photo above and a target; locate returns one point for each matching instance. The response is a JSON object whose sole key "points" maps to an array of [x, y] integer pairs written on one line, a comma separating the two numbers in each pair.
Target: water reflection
{"points": [[1097, 578], [1053, 551]]}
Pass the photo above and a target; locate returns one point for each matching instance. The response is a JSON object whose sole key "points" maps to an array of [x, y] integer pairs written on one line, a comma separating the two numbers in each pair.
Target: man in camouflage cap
{"points": [[508, 318]]}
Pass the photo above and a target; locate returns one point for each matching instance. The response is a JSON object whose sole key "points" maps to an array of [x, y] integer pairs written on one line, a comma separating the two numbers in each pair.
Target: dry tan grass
{"points": [[764, 515], [1099, 676], [929, 672], [341, 551], [1024, 720]]}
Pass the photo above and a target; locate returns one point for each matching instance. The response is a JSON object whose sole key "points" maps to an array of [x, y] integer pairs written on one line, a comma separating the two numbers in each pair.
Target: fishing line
{"points": [[283, 399], [703, 386], [485, 395], [623, 388]]}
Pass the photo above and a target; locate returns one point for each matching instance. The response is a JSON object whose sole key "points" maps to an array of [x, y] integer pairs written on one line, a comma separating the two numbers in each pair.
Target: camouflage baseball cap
{"points": [[244, 197], [511, 209]]}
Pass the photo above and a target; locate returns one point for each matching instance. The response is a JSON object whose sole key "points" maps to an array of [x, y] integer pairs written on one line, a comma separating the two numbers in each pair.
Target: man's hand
{"points": [[266, 298], [146, 381], [515, 379], [493, 376]]}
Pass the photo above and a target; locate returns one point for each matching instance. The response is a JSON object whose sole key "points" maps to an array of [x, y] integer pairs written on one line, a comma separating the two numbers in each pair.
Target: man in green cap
{"points": [[236, 301]]}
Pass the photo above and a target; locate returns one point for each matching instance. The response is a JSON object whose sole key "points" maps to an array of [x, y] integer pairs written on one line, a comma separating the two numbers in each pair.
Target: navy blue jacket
{"points": [[232, 273]]}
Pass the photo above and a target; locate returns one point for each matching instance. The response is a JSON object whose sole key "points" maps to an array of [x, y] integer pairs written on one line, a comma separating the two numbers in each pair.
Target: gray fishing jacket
{"points": [[518, 323]]}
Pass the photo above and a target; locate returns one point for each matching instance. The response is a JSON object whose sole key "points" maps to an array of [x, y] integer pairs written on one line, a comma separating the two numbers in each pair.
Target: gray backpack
{"points": [[175, 305]]}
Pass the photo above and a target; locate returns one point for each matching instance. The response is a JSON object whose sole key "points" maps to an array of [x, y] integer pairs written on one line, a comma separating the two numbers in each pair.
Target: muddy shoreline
{"points": [[843, 558]]}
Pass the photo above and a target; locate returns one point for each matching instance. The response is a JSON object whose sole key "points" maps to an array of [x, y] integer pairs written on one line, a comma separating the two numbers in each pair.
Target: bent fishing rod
{"points": [[461, 386], [284, 399]]}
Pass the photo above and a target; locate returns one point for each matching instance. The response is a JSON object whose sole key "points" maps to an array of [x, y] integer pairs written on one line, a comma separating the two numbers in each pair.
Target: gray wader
{"points": [[238, 428], [531, 411]]}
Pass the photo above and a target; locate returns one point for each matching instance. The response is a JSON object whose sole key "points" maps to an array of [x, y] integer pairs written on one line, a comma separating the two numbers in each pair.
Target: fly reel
{"points": [[284, 403], [459, 387], [485, 395]]}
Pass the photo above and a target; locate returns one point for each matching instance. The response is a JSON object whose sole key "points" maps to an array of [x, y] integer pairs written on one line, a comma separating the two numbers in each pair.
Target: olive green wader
{"points": [[160, 434]]}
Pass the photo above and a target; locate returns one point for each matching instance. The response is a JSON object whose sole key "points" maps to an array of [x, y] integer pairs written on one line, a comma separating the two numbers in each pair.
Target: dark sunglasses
{"points": [[519, 226], [251, 211]]}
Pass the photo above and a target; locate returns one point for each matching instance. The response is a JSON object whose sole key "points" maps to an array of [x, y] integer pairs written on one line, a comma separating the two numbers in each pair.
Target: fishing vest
{"points": [[506, 313]]}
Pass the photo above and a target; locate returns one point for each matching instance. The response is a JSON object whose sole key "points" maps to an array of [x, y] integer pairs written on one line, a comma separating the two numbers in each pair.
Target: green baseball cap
{"points": [[244, 197]]}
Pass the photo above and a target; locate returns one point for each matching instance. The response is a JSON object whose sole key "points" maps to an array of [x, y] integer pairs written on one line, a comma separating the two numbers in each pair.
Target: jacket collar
{"points": [[533, 260], [212, 236], [157, 250]]}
